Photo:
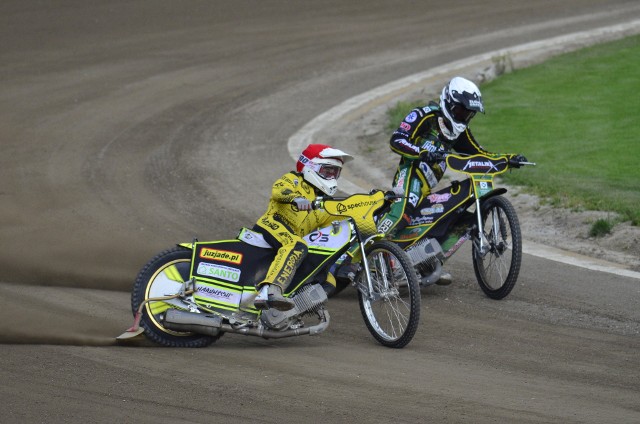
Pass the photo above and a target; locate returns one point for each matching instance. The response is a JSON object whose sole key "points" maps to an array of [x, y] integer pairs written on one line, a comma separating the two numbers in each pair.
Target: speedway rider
{"points": [[435, 127], [289, 216]]}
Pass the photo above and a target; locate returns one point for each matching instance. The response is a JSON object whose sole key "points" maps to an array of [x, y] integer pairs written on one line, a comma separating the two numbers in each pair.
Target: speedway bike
{"points": [[192, 294], [470, 209]]}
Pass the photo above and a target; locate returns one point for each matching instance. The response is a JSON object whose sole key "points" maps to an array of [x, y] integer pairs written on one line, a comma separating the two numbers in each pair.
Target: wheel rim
{"points": [[495, 263], [388, 309], [155, 310]]}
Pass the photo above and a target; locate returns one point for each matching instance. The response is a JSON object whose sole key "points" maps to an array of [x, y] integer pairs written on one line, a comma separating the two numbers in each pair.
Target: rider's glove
{"points": [[302, 204], [429, 157], [515, 160]]}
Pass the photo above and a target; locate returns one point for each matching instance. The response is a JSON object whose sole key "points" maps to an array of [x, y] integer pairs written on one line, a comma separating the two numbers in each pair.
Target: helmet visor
{"points": [[329, 172], [460, 113]]}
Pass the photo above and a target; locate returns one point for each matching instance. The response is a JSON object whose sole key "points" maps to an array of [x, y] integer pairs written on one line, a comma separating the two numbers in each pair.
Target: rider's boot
{"points": [[270, 296], [445, 279]]}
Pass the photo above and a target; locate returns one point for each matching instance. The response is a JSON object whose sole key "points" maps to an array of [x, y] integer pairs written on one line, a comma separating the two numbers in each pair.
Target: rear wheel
{"points": [[497, 264], [162, 276], [391, 310]]}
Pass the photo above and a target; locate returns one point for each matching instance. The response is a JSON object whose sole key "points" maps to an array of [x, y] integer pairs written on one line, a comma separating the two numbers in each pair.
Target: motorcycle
{"points": [[192, 294], [470, 209]]}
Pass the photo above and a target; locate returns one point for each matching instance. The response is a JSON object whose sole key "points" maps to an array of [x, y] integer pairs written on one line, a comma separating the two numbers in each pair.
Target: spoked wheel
{"points": [[391, 310], [497, 264], [162, 276]]}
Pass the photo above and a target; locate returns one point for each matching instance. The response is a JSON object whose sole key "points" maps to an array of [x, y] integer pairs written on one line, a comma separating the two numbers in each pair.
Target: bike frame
{"points": [[459, 196]]}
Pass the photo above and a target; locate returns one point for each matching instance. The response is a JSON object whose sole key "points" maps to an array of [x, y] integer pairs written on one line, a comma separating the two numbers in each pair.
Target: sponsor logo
{"points": [[218, 294], [385, 225], [411, 117], [285, 274], [435, 209], [405, 143], [405, 126], [318, 237], [287, 179], [483, 187], [401, 176], [475, 103], [285, 237], [215, 292], [439, 198], [270, 224], [219, 271], [475, 164], [221, 255], [342, 208], [303, 159], [421, 220], [415, 232], [413, 199]]}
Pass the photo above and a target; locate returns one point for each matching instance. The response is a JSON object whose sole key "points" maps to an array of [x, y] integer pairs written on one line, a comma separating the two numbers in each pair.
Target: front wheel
{"points": [[497, 262], [162, 276], [391, 310]]}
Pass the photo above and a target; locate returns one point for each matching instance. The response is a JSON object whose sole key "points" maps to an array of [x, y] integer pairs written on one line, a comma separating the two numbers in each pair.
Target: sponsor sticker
{"points": [[219, 271], [385, 225], [221, 255], [478, 164], [219, 294], [411, 117], [421, 220], [435, 209], [439, 198], [343, 207]]}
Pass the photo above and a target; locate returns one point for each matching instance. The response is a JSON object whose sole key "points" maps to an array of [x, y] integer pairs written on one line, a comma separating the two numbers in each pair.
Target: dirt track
{"points": [[129, 126]]}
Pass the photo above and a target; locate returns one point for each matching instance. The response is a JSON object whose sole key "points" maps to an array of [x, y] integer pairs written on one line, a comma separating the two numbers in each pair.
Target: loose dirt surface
{"points": [[129, 126]]}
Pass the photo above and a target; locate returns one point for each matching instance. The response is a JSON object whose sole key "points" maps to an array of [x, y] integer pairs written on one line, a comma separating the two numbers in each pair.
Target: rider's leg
{"points": [[292, 251]]}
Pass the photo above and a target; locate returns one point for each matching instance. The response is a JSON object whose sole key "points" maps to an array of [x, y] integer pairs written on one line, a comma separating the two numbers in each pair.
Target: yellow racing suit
{"points": [[283, 226]]}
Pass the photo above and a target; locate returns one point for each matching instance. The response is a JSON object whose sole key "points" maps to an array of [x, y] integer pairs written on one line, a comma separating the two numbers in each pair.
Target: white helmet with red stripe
{"points": [[321, 165]]}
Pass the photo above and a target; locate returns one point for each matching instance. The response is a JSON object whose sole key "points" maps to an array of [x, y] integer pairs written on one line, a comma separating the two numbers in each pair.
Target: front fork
{"points": [[484, 243], [370, 293]]}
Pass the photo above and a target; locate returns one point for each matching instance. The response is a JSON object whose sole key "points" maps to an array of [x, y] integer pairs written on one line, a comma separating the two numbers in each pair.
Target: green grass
{"points": [[577, 117]]}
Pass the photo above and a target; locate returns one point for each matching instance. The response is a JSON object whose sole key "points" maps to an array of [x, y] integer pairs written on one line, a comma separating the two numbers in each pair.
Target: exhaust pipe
{"points": [[211, 325], [207, 324]]}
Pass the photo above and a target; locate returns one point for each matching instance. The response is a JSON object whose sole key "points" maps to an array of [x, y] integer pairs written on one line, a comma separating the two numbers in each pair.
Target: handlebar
{"points": [[517, 164], [442, 155], [389, 196]]}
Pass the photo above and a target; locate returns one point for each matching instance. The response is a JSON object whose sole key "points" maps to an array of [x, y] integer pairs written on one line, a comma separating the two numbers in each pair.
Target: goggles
{"points": [[460, 113], [328, 171]]}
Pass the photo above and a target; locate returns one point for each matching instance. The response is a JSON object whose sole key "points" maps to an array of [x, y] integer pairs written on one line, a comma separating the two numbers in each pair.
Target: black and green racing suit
{"points": [[414, 178]]}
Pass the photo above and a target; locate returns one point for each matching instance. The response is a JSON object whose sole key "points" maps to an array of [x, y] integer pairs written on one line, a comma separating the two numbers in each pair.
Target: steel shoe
{"points": [[270, 296]]}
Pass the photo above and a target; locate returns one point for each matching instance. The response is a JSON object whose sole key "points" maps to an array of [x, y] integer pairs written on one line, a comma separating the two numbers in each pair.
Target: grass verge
{"points": [[576, 117]]}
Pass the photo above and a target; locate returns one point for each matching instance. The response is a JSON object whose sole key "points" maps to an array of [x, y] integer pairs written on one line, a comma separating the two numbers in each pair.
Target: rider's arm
{"points": [[411, 126], [286, 188]]}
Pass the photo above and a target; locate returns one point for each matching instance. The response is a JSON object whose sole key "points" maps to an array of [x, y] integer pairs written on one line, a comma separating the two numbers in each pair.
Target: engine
{"points": [[426, 255], [307, 300]]}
